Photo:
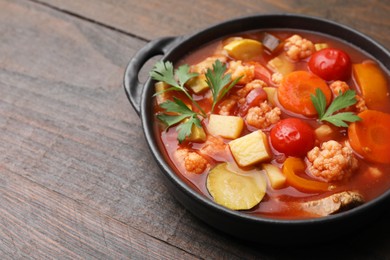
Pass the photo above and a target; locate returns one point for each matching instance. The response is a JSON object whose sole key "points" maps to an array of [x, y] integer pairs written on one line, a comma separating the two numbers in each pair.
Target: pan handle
{"points": [[131, 82]]}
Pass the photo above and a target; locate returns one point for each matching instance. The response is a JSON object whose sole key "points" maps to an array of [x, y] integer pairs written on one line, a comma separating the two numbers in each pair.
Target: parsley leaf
{"points": [[217, 81], [180, 112], [163, 71], [343, 100]]}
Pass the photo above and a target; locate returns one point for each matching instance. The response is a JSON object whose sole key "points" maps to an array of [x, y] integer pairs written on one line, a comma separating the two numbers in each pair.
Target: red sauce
{"points": [[276, 203]]}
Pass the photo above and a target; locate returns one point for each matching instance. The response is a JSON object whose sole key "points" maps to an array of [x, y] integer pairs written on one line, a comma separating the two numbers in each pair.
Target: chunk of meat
{"points": [[298, 48], [193, 162], [333, 162], [263, 116], [237, 69], [334, 203]]}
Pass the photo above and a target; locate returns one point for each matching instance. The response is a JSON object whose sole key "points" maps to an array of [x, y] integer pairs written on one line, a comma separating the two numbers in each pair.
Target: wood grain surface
{"points": [[77, 180]]}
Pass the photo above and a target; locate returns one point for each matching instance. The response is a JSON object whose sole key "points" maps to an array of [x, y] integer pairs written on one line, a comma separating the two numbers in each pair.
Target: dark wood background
{"points": [[76, 178]]}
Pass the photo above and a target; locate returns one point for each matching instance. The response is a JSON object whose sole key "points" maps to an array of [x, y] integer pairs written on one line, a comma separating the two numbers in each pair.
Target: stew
{"points": [[280, 124]]}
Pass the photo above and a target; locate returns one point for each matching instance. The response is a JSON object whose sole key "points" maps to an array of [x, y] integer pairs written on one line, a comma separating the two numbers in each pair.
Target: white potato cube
{"points": [[250, 149], [276, 178], [225, 126]]}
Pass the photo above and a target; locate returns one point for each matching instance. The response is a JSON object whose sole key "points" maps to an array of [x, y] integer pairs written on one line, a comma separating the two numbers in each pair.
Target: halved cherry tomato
{"points": [[290, 169], [293, 137], [330, 64]]}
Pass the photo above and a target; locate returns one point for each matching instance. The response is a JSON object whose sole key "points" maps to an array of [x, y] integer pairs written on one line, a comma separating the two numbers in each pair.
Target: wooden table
{"points": [[77, 180]]}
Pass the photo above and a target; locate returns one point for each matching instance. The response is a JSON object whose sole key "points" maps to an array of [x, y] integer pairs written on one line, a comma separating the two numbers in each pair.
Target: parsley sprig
{"points": [[176, 79], [178, 112], [217, 81], [181, 113], [343, 100]]}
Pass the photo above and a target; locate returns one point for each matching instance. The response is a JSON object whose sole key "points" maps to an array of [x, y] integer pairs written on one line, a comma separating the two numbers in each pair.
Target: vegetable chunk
{"points": [[234, 188], [250, 149], [244, 49], [372, 83], [275, 175], [225, 126], [370, 137]]}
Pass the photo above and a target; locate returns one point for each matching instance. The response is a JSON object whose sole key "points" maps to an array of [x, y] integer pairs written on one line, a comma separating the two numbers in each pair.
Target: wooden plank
{"points": [[155, 18], [36, 222]]}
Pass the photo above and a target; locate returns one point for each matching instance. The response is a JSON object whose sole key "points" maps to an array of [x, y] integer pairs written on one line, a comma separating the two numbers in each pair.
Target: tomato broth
{"points": [[362, 174]]}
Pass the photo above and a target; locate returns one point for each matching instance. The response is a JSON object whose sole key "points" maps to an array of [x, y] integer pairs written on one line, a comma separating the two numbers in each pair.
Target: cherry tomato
{"points": [[330, 64], [293, 137]]}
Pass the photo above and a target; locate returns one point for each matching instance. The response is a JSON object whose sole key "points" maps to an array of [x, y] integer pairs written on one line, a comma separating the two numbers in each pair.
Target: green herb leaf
{"points": [[164, 72], [217, 80], [340, 119], [176, 78], [343, 100], [182, 112], [319, 102]]}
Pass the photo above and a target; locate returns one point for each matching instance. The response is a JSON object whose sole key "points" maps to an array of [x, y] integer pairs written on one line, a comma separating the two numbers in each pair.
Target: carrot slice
{"points": [[291, 167], [370, 137], [295, 91]]}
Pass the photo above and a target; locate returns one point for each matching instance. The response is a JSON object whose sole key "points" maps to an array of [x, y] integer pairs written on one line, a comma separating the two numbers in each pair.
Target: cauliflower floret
{"points": [[263, 116], [360, 104], [333, 162], [237, 69], [193, 162], [277, 78], [227, 107], [243, 92], [338, 86], [342, 86], [298, 48]]}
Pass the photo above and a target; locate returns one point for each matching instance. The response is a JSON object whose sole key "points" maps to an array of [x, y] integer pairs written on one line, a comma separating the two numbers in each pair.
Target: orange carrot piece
{"points": [[295, 91], [370, 137], [291, 166]]}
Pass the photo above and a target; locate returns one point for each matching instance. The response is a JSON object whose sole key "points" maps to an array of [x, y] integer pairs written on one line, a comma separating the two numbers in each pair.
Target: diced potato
{"points": [[271, 94], [275, 175], [162, 97], [250, 149], [281, 64], [244, 49], [198, 84], [236, 189], [320, 46], [225, 126], [197, 135], [373, 84]]}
